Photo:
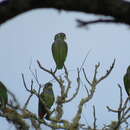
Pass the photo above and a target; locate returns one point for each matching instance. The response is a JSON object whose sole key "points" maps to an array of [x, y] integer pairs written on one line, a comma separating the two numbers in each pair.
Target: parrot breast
{"points": [[47, 97], [59, 51], [3, 95], [127, 83]]}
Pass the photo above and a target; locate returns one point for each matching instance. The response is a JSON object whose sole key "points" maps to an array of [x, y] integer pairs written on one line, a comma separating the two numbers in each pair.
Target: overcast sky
{"points": [[29, 37]]}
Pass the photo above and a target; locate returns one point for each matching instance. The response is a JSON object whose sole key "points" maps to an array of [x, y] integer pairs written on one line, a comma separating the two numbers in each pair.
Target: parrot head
{"points": [[60, 36], [48, 86], [128, 70]]}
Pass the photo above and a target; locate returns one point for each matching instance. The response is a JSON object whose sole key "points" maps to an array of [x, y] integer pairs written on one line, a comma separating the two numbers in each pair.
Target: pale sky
{"points": [[29, 37]]}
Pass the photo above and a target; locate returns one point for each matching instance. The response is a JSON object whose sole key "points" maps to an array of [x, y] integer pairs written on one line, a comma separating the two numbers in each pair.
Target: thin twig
{"points": [[77, 90], [14, 98], [95, 72], [50, 72], [25, 83], [34, 74], [86, 77], [86, 89], [27, 102], [95, 119], [112, 110], [122, 111], [108, 72], [84, 100], [84, 60], [68, 81], [120, 105], [82, 23]]}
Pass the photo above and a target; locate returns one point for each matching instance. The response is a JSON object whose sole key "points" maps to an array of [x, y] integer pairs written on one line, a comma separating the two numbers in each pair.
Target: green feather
{"points": [[127, 81], [46, 97], [59, 50], [3, 96]]}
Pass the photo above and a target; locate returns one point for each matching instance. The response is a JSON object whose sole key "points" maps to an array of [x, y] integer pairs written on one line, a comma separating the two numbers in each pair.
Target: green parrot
{"points": [[127, 81], [3, 96], [47, 97], [59, 50]]}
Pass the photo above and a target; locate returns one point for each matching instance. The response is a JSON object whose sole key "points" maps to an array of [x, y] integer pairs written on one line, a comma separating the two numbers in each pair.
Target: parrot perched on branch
{"points": [[46, 100], [127, 81], [59, 50], [3, 96]]}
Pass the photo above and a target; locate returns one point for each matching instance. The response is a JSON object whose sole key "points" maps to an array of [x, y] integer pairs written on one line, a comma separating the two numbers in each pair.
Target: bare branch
{"points": [[107, 73], [86, 77], [122, 111], [15, 118], [34, 74], [94, 115], [121, 100], [87, 90], [14, 99], [25, 83], [117, 9], [84, 60], [82, 23], [93, 84], [50, 72], [112, 110], [95, 72], [68, 81], [31, 91], [27, 102], [32, 116], [77, 90]]}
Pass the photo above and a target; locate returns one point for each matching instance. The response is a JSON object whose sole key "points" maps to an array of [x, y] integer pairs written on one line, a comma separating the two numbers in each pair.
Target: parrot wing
{"points": [[48, 100]]}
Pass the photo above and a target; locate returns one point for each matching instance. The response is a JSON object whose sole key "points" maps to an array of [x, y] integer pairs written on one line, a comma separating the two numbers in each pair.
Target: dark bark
{"points": [[118, 9]]}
